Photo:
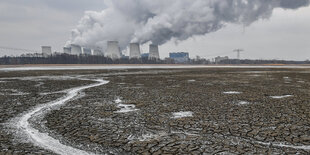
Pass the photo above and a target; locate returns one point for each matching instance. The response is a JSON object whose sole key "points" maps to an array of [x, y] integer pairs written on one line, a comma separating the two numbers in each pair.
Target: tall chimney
{"points": [[113, 50], [135, 51], [154, 52]]}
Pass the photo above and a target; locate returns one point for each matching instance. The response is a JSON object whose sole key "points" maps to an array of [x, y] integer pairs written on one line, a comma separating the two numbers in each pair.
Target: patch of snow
{"points": [[118, 100], [243, 103], [182, 114], [232, 92], [280, 97], [147, 137], [191, 80], [255, 75], [185, 133], [124, 108], [301, 81], [300, 147]]}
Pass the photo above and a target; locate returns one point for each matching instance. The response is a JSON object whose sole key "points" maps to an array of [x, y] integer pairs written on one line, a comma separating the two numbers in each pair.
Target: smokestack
{"points": [[76, 49], [113, 50], [135, 51], [154, 52], [67, 50], [46, 50]]}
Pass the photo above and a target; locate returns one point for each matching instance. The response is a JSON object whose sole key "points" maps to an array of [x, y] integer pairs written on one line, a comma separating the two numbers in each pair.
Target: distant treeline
{"points": [[88, 59], [248, 61]]}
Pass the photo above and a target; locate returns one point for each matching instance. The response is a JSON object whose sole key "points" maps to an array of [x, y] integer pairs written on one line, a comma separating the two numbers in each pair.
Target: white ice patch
{"points": [[301, 81], [182, 114], [232, 92], [118, 100], [43, 139], [255, 75], [15, 92], [124, 108], [280, 97], [301, 147], [243, 103], [147, 137]]}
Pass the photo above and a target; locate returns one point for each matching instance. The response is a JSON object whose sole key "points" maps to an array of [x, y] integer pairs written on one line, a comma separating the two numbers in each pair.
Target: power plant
{"points": [[154, 52], [113, 50], [46, 50], [87, 51], [135, 51], [67, 50], [76, 49], [97, 52]]}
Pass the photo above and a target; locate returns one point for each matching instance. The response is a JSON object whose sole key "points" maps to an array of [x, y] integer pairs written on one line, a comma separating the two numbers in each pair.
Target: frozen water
{"points": [[232, 92], [118, 100], [124, 108], [243, 103], [279, 97], [182, 114], [301, 81], [43, 139], [302, 147]]}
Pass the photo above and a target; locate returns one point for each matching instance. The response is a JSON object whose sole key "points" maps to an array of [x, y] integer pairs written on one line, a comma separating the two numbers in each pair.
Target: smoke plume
{"points": [[158, 21]]}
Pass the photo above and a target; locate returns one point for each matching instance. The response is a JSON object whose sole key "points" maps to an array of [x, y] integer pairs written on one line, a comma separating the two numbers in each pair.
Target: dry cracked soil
{"points": [[229, 111]]}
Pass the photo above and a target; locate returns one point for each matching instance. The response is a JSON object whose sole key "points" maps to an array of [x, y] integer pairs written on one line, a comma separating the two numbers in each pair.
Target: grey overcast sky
{"points": [[29, 24]]}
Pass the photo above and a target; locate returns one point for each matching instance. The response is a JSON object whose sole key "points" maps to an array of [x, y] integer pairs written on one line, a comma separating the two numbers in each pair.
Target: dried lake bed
{"points": [[155, 111]]}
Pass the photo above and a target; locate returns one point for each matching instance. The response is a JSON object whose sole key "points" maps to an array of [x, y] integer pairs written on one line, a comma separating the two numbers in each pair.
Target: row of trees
{"points": [[88, 59]]}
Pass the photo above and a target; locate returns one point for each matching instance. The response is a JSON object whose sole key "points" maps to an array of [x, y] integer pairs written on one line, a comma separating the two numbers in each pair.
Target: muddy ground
{"points": [[232, 111]]}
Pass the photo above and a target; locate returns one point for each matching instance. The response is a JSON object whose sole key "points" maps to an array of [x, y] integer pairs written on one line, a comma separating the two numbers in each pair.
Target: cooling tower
{"points": [[86, 51], [97, 52], [135, 51], [154, 53], [76, 49], [113, 50], [67, 50], [46, 50]]}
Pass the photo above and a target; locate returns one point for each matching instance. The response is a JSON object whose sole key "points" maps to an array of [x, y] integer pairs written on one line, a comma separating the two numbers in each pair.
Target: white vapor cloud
{"points": [[160, 21]]}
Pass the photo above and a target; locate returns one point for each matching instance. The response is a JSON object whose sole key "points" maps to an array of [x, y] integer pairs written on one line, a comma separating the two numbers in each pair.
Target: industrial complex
{"points": [[112, 51]]}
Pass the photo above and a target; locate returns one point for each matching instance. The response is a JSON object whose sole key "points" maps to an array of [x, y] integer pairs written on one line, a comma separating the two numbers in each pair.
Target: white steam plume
{"points": [[158, 21]]}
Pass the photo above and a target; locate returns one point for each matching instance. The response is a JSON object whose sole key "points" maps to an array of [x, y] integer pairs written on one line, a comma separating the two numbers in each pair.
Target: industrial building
{"points": [[113, 50], [46, 50], [134, 51], [87, 51], [179, 57], [154, 52], [67, 50], [145, 55], [97, 52], [76, 49], [219, 59]]}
